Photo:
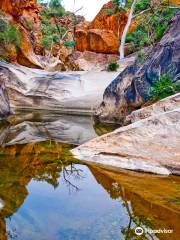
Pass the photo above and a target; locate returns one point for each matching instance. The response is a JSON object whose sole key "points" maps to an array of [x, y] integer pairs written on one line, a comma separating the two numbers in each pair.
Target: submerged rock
{"points": [[150, 145], [129, 91]]}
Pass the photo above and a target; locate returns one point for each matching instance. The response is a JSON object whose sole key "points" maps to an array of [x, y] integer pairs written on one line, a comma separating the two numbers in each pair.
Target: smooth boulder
{"points": [[39, 89], [149, 145]]}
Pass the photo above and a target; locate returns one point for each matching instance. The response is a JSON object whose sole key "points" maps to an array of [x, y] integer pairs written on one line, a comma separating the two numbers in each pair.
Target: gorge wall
{"points": [[103, 34], [130, 90]]}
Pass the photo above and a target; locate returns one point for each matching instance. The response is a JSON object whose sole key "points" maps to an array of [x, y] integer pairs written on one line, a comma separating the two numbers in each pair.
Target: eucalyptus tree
{"points": [[122, 3]]}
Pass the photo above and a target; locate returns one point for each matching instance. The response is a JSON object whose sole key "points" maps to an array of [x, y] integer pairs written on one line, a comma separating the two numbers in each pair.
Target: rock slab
{"points": [[149, 145]]}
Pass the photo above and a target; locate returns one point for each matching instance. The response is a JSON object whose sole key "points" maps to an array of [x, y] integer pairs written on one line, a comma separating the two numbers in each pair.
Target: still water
{"points": [[46, 194]]}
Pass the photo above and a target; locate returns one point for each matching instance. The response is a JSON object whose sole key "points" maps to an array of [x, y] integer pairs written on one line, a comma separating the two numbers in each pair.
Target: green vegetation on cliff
{"points": [[9, 35], [163, 87], [152, 24]]}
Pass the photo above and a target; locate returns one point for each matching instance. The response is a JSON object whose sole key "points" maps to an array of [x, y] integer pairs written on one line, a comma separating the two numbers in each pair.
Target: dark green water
{"points": [[45, 194]]}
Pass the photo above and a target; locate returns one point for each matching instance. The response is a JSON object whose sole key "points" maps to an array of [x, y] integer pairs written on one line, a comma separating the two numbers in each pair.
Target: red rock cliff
{"points": [[103, 34]]}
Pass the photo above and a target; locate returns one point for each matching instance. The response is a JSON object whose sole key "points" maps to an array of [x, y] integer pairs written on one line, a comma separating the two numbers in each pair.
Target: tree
{"points": [[123, 38]]}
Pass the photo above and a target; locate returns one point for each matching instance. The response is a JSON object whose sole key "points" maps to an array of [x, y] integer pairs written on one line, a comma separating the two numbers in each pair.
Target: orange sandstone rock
{"points": [[103, 34], [16, 7]]}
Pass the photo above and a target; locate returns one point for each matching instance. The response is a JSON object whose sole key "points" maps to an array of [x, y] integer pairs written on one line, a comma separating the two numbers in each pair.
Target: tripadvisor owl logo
{"points": [[139, 231]]}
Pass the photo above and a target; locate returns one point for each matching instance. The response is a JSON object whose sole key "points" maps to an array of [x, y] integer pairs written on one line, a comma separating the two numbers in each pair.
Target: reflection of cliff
{"points": [[19, 164], [2, 229], [155, 206], [41, 126]]}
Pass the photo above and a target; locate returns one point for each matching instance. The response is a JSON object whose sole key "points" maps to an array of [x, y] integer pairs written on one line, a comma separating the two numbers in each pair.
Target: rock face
{"points": [[27, 18], [16, 7], [165, 105], [4, 101], [38, 89], [103, 34], [91, 61], [129, 91], [25, 14], [150, 145], [97, 40]]}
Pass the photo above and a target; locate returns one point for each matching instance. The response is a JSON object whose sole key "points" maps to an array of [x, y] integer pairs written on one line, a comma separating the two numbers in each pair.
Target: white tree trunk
{"points": [[123, 38]]}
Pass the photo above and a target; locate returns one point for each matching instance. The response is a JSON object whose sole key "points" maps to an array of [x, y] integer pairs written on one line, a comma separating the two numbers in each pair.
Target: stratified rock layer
{"points": [[130, 90]]}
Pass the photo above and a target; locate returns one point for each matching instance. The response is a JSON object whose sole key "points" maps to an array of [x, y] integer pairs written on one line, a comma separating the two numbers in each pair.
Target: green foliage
{"points": [[110, 12], [50, 35], [47, 42], [54, 4], [141, 56], [51, 32], [138, 38], [151, 28], [57, 10], [9, 34], [116, 2], [163, 87], [160, 30], [69, 44], [142, 5], [112, 66]]}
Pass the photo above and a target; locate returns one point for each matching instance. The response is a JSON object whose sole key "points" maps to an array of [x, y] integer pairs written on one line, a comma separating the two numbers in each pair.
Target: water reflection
{"points": [[46, 196], [38, 126], [152, 202], [19, 164]]}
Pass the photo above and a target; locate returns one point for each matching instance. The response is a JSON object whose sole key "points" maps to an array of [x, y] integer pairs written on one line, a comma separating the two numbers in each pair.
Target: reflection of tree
{"points": [[19, 164], [71, 172], [134, 221], [117, 191]]}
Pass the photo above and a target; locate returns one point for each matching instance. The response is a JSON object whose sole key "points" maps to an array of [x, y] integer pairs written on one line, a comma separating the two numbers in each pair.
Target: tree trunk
{"points": [[123, 38]]}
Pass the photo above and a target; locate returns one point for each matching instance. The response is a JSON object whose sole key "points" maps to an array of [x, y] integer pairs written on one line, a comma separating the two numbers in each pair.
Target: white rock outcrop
{"points": [[149, 145], [67, 91]]}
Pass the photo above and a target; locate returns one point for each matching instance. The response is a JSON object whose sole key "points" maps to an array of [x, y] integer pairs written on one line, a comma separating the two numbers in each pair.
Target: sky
{"points": [[90, 7]]}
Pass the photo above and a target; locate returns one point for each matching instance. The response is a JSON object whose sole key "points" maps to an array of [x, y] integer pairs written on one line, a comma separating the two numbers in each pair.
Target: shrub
{"points": [[142, 5], [110, 12], [9, 34], [141, 56], [57, 10], [69, 44], [47, 42], [163, 87], [112, 66]]}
